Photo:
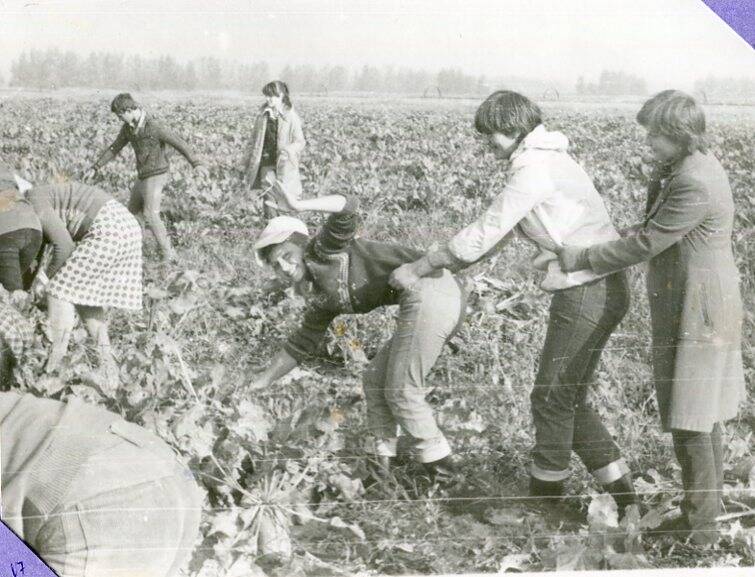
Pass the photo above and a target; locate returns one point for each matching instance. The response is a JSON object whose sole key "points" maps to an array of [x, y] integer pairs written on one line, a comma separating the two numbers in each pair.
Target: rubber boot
{"points": [[548, 491]]}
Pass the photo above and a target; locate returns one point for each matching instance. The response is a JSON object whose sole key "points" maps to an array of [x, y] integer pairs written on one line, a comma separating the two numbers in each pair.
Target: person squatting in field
{"points": [[551, 200], [276, 143], [695, 303], [20, 233], [148, 137], [338, 273], [96, 263], [93, 494]]}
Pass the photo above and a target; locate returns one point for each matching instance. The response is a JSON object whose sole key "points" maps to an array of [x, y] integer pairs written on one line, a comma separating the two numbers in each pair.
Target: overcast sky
{"points": [[668, 42]]}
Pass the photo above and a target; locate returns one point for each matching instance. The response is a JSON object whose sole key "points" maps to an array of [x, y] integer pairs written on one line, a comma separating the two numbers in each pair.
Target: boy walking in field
{"points": [[148, 138]]}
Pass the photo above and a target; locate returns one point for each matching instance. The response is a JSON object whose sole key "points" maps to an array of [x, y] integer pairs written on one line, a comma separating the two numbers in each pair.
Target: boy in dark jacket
{"points": [[148, 138]]}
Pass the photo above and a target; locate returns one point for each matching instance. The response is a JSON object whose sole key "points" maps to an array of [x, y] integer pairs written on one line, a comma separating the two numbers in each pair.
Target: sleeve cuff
{"points": [[583, 260], [296, 353]]}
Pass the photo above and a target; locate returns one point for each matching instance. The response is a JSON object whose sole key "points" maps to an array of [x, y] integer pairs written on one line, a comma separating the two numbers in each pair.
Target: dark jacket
{"points": [[693, 288], [148, 142], [349, 275]]}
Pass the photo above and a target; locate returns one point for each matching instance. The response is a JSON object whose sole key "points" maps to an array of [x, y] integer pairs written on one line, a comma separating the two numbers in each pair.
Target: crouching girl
{"points": [[338, 273], [97, 263]]}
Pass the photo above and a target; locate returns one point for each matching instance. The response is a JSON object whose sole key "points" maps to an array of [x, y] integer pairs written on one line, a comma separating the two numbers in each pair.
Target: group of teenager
{"points": [[692, 283]]}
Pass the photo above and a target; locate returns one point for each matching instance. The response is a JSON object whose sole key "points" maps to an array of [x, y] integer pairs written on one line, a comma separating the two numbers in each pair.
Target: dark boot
{"points": [[546, 491], [443, 470], [623, 492]]}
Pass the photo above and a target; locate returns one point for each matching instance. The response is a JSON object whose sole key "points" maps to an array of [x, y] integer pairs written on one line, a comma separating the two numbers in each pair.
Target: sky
{"points": [[667, 42]]}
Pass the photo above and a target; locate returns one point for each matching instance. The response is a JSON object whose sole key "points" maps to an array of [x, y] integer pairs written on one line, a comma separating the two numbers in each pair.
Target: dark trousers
{"points": [[700, 456], [581, 321], [18, 249]]}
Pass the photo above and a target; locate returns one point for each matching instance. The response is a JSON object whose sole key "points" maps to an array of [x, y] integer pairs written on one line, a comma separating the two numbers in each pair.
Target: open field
{"points": [[286, 464]]}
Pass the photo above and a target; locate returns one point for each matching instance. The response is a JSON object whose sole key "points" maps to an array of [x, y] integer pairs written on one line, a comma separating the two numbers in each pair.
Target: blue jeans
{"points": [[146, 195], [581, 320], [394, 382], [131, 510]]}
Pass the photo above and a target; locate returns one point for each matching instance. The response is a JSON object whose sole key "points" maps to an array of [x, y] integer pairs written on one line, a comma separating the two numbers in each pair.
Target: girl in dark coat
{"points": [[693, 289]]}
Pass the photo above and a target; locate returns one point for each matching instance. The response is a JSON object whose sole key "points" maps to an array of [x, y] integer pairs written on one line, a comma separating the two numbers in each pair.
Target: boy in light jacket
{"points": [[551, 200]]}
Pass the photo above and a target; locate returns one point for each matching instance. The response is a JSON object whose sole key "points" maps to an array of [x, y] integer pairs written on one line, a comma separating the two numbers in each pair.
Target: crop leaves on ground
{"points": [[288, 491]]}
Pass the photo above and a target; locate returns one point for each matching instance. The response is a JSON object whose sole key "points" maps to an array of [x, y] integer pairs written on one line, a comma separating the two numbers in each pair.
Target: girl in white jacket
{"points": [[552, 201]]}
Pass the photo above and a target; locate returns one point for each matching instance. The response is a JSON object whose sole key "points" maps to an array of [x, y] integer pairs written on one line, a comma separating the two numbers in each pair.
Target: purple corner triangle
{"points": [[17, 559], [738, 14]]}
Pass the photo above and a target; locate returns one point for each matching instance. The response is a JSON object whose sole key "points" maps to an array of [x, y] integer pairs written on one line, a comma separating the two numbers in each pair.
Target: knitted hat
{"points": [[278, 230]]}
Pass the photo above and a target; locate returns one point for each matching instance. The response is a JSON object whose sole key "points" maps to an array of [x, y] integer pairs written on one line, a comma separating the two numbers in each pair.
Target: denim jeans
{"points": [[581, 320], [146, 195], [395, 381], [132, 510], [17, 251]]}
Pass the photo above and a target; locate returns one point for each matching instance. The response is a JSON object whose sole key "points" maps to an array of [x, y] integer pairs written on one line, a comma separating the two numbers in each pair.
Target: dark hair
{"points": [[297, 238], [123, 103], [675, 115], [278, 88], [509, 113]]}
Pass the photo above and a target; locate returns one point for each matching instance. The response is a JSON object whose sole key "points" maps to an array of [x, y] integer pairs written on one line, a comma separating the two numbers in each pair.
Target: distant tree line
{"points": [[612, 83], [54, 68], [715, 89]]}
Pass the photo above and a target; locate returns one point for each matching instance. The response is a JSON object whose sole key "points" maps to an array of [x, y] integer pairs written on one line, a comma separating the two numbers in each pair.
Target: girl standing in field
{"points": [[148, 138], [695, 305], [97, 263], [277, 141], [338, 273], [20, 233], [551, 200]]}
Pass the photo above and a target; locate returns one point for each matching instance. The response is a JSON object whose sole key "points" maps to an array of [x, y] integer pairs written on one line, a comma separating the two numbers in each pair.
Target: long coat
{"points": [[290, 143], [693, 289]]}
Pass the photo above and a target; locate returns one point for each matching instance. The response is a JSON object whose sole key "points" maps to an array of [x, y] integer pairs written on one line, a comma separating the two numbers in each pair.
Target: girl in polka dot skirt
{"points": [[97, 263]]}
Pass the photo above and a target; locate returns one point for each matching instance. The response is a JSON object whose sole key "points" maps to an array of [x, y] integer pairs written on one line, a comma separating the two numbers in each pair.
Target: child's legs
{"points": [[268, 211], [380, 422], [95, 321], [581, 319], [136, 198], [427, 317], [697, 458], [152, 190], [62, 316]]}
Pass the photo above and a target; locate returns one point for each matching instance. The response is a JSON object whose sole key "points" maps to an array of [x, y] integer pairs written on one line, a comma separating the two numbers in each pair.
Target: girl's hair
{"points": [[509, 113], [278, 88], [123, 103], [675, 115], [297, 238]]}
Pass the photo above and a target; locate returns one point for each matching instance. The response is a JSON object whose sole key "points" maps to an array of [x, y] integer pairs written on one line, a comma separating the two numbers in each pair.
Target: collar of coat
{"points": [[667, 173]]}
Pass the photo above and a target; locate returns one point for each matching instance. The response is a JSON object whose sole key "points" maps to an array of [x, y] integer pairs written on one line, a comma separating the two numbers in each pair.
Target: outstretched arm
{"points": [[331, 203], [111, 151], [526, 189], [171, 138], [281, 365]]}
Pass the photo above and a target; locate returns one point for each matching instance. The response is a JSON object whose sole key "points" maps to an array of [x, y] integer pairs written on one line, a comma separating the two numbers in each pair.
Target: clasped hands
{"points": [[572, 258]]}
